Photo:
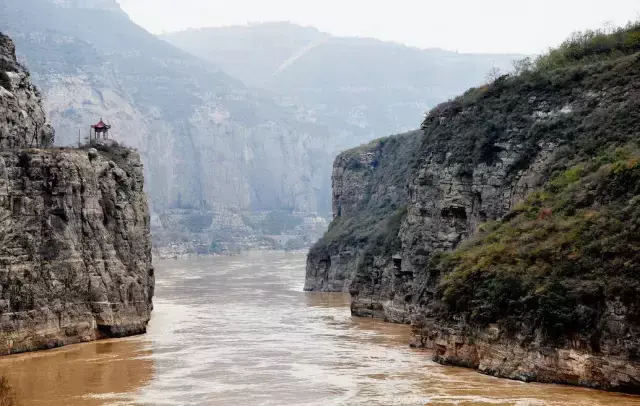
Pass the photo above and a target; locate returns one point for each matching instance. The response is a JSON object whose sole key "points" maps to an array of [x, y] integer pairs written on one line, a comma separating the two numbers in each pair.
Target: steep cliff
{"points": [[212, 147], [518, 251], [75, 247], [24, 122], [369, 203]]}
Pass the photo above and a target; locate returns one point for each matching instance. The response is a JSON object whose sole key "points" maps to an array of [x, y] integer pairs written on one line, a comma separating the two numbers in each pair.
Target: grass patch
{"points": [[592, 46]]}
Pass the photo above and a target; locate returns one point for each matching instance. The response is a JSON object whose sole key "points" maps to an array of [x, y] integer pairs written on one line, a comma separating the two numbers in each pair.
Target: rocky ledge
{"points": [[493, 351]]}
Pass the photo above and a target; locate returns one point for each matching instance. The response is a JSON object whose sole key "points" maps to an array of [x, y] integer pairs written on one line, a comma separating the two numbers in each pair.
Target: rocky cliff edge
{"points": [[516, 251], [75, 247]]}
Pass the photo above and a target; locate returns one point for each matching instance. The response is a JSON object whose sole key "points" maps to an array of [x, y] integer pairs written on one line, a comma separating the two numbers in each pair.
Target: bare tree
{"points": [[609, 27], [521, 66], [494, 74]]}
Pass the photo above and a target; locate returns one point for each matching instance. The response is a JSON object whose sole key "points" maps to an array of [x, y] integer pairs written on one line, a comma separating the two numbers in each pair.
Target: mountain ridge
{"points": [[210, 143], [361, 88]]}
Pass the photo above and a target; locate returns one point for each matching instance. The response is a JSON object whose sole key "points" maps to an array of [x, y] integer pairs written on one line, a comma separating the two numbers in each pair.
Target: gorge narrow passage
{"points": [[240, 331]]}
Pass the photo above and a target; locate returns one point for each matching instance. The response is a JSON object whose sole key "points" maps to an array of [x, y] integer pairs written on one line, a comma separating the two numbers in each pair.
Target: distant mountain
{"points": [[251, 53], [361, 88], [228, 144], [210, 144]]}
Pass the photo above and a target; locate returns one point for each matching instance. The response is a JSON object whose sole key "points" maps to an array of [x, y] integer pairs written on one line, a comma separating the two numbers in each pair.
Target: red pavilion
{"points": [[101, 128]]}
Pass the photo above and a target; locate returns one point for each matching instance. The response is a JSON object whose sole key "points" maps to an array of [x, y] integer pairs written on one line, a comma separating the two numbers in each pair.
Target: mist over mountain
{"points": [[361, 88], [236, 130], [210, 144]]}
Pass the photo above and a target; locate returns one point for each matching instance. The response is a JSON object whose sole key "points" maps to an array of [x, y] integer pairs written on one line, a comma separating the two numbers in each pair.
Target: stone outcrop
{"points": [[492, 351], [75, 246], [481, 155], [23, 121]]}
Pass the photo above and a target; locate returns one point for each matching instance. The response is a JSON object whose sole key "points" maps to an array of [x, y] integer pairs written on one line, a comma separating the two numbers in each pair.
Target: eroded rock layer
{"points": [[75, 250]]}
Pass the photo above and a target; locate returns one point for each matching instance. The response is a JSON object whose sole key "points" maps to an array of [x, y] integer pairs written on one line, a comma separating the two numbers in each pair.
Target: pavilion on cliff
{"points": [[100, 129]]}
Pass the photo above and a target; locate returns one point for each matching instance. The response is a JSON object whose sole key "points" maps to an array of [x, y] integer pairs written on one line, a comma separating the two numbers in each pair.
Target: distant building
{"points": [[100, 129]]}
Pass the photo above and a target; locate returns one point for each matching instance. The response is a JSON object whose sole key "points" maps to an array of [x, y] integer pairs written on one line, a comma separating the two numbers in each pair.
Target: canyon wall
{"points": [[515, 204], [75, 244], [224, 148], [215, 152], [369, 200]]}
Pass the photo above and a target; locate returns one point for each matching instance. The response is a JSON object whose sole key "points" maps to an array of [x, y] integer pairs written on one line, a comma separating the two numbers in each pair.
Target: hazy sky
{"points": [[527, 26]]}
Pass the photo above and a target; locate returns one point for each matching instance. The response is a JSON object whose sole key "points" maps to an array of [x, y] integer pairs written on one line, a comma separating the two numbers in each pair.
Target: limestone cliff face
{"points": [[443, 209], [75, 249], [75, 246], [209, 143], [481, 155], [332, 270], [368, 189]]}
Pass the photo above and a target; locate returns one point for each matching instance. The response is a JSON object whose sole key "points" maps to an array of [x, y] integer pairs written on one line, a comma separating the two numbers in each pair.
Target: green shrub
{"points": [[592, 45]]}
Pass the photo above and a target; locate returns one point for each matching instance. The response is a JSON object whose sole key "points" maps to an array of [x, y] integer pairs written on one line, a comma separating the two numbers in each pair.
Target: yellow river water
{"points": [[240, 331]]}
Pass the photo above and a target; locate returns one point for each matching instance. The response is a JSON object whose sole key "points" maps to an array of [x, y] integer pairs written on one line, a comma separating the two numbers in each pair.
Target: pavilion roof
{"points": [[101, 125]]}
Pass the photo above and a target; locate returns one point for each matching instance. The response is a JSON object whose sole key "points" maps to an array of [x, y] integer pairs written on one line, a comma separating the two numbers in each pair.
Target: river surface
{"points": [[240, 331]]}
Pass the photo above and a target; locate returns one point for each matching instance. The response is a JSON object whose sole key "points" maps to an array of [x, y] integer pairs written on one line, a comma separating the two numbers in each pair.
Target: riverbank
{"points": [[239, 330]]}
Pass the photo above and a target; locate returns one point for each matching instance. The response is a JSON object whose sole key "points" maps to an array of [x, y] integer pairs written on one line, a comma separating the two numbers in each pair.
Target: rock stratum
{"points": [[75, 245], [506, 230]]}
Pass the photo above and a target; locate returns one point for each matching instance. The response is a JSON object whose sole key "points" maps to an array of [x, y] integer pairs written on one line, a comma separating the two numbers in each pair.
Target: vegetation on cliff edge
{"points": [[379, 212], [590, 46], [559, 261], [569, 255], [584, 77]]}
